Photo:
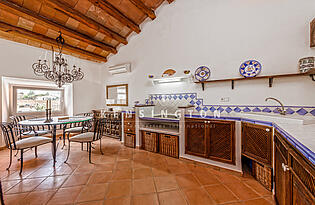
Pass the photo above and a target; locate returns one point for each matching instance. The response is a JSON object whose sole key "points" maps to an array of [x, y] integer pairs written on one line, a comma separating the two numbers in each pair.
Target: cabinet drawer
{"points": [[130, 140], [149, 141], [130, 129], [169, 145], [129, 117]]}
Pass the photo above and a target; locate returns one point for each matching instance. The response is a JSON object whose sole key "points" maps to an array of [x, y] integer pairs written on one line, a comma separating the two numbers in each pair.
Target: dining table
{"points": [[53, 123]]}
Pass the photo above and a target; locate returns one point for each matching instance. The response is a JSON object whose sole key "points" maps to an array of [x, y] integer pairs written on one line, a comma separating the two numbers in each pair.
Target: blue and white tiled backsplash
{"points": [[183, 99]]}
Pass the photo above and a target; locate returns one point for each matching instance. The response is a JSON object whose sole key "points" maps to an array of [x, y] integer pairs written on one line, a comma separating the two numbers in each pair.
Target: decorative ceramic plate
{"points": [[250, 68], [202, 73]]}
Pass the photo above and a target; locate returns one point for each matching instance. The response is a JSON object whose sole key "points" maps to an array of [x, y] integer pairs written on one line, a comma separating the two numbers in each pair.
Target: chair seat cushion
{"points": [[31, 142], [36, 133], [83, 137], [74, 129]]}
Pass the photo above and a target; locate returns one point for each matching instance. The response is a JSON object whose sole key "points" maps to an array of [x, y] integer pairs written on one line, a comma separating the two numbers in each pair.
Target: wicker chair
{"points": [[13, 142], [89, 138]]}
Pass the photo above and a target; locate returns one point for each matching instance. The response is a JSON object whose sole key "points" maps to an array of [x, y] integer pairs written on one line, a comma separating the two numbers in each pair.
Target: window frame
{"points": [[13, 99]]}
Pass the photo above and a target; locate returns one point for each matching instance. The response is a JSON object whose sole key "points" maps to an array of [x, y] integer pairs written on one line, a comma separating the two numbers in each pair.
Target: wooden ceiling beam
{"points": [[170, 1], [69, 11], [36, 18], [149, 12], [46, 40], [111, 10]]}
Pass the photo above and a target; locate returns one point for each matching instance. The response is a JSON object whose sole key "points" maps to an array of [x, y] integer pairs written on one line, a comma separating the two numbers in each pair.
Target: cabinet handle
{"points": [[285, 167], [267, 129]]}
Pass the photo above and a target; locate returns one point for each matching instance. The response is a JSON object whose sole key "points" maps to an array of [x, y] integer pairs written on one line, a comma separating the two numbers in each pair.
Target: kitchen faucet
{"points": [[281, 110]]}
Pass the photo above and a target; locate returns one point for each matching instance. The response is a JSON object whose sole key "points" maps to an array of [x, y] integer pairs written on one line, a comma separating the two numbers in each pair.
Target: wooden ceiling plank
{"points": [[25, 13], [46, 40], [149, 12], [68, 10], [111, 10]]}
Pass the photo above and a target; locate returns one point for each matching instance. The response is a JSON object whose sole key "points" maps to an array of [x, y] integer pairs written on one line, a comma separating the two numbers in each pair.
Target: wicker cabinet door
{"points": [[282, 191], [257, 142], [222, 141], [196, 139], [303, 179]]}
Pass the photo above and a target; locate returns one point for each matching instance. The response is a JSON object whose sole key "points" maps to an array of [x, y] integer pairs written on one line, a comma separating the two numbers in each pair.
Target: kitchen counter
{"points": [[298, 130]]}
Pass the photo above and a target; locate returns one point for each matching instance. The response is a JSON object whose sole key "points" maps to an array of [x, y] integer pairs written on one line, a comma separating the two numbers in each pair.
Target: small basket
{"points": [[149, 141], [169, 145], [130, 140], [263, 174]]}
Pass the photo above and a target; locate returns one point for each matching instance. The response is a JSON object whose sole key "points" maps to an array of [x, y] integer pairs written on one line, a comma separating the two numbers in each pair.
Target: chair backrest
{"points": [[9, 135], [98, 128], [19, 129]]}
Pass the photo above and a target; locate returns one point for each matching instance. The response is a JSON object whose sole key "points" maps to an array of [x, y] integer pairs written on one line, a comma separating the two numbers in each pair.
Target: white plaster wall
{"points": [[16, 61], [222, 34]]}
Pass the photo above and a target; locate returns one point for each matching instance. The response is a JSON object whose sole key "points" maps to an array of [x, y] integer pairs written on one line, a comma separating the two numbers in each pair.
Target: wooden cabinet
{"points": [[312, 39], [282, 174], [294, 175], [257, 142], [196, 140], [212, 139], [130, 130]]}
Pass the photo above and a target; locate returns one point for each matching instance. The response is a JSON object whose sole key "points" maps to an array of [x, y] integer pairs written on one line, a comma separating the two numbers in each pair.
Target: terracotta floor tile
{"points": [[118, 201], [124, 165], [242, 191], [198, 197], [136, 177], [6, 185], [15, 199], [143, 186], [100, 177], [93, 192], [26, 185], [65, 195], [226, 178], [91, 203], [158, 172], [104, 167], [39, 197], [205, 178], [171, 198], [118, 189], [260, 201], [178, 169], [165, 183], [122, 174], [142, 173], [52, 182], [77, 180], [187, 181], [256, 186], [147, 199], [220, 193]]}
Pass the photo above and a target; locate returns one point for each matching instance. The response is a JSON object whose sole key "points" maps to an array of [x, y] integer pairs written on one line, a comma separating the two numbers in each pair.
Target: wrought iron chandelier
{"points": [[59, 71]]}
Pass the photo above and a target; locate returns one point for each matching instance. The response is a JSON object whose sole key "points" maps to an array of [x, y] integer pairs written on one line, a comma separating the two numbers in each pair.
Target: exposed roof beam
{"points": [[46, 40], [68, 10], [170, 1], [36, 18], [111, 10], [149, 12]]}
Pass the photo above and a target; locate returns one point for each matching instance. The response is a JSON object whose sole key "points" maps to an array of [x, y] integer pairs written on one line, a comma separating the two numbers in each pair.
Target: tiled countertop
{"points": [[297, 130]]}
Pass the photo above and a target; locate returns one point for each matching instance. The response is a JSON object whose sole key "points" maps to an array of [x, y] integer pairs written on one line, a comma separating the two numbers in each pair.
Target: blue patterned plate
{"points": [[250, 68], [202, 73]]}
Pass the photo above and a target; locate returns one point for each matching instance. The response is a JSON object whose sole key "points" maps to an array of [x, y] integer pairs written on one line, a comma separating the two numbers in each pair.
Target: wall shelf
{"points": [[270, 77]]}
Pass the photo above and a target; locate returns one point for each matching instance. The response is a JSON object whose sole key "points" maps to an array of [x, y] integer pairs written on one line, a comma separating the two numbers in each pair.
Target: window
{"points": [[33, 100]]}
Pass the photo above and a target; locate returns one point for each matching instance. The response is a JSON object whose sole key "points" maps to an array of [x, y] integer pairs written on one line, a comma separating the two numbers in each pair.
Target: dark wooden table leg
{"points": [[54, 146]]}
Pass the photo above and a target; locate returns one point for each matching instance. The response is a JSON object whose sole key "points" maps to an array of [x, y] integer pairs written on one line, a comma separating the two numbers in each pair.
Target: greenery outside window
{"points": [[32, 100]]}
